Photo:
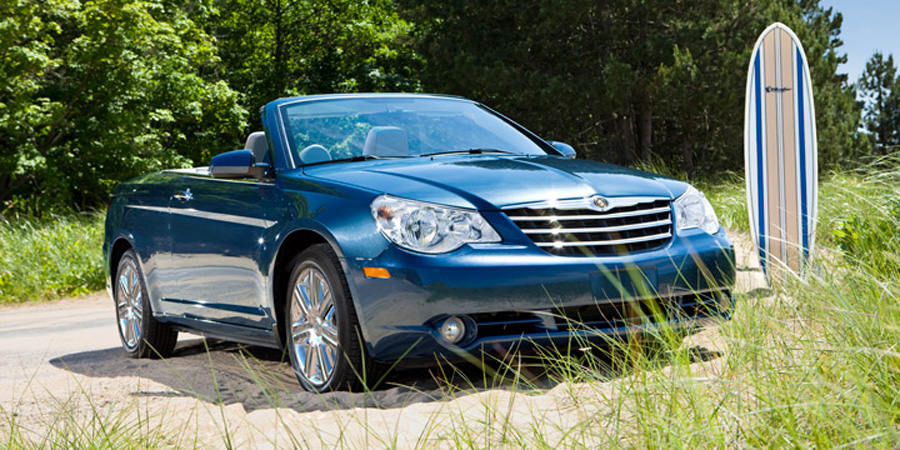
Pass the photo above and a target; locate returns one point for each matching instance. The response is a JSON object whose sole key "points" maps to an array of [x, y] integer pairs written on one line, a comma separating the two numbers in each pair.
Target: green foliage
{"points": [[869, 237], [879, 87], [50, 258], [95, 92], [626, 80], [103, 90], [277, 48]]}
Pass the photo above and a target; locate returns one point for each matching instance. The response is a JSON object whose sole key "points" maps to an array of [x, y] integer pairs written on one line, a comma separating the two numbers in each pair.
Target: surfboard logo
{"points": [[776, 89]]}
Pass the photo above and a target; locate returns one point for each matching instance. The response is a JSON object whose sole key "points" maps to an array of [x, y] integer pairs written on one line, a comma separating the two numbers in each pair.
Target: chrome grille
{"points": [[574, 228]]}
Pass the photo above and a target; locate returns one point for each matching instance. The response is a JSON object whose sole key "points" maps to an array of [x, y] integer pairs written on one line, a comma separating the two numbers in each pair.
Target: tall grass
{"points": [[814, 363], [50, 258]]}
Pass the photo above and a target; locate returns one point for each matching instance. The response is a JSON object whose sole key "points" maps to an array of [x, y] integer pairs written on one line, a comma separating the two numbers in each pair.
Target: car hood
{"points": [[495, 181]]}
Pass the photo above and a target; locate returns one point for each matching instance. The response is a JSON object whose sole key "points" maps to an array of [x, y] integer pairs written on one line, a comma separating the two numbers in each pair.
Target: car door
{"points": [[218, 236]]}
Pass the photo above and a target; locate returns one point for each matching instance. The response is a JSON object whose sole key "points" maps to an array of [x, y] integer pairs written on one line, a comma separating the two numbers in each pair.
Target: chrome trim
{"points": [[641, 212], [560, 244], [191, 212], [636, 226], [199, 175], [556, 232], [184, 196], [160, 209], [220, 217], [588, 203]]}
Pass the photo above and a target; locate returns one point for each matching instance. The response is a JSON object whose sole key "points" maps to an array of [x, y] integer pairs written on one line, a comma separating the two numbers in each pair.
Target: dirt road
{"points": [[63, 360]]}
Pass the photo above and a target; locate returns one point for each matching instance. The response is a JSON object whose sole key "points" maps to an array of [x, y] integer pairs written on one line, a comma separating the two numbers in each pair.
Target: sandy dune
{"points": [[64, 357]]}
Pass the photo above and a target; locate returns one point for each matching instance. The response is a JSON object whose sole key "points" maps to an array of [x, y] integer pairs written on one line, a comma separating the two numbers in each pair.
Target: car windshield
{"points": [[397, 127]]}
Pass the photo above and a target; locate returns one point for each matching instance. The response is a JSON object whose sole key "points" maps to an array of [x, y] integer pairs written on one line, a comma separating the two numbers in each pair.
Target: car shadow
{"points": [[258, 378]]}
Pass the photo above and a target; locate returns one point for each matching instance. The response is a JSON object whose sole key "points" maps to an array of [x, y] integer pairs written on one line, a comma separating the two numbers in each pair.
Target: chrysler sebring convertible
{"points": [[361, 230]]}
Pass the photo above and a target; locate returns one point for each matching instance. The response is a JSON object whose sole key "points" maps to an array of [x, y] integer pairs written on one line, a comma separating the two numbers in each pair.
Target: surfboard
{"points": [[780, 152]]}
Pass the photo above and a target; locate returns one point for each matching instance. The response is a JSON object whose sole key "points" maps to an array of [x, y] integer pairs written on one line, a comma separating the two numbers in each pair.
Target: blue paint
{"points": [[210, 272], [804, 214], [759, 165]]}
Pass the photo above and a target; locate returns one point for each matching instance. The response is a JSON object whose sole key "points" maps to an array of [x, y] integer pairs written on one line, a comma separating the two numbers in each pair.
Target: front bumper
{"points": [[520, 295]]}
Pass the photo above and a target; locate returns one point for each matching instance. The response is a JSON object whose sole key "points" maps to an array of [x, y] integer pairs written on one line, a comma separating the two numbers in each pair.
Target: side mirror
{"points": [[237, 164], [563, 148]]}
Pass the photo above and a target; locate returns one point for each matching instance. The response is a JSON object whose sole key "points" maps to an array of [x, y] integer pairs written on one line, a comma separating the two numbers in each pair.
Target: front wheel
{"points": [[324, 342], [142, 335]]}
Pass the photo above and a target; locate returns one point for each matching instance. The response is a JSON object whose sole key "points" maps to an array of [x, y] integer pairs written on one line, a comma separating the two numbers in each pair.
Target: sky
{"points": [[869, 25]]}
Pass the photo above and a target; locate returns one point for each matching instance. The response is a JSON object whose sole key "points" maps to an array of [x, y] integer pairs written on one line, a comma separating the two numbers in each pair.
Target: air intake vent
{"points": [[576, 228]]}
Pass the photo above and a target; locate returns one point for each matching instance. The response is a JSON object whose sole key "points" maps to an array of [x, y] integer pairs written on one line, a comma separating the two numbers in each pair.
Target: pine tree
{"points": [[881, 114]]}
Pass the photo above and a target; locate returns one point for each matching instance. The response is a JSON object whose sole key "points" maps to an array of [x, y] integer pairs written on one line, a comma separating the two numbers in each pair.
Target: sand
{"points": [[62, 360]]}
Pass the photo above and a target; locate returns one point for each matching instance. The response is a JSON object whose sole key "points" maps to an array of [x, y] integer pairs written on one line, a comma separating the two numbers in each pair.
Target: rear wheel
{"points": [[142, 335], [324, 341]]}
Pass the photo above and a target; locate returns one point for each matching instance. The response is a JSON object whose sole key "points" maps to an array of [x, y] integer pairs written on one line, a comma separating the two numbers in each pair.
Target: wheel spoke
{"points": [[300, 331], [329, 335], [315, 292], [301, 349], [126, 330], [324, 367], [326, 308], [123, 285], [312, 364], [137, 331], [323, 291], [135, 284], [135, 294], [330, 357], [300, 294]]}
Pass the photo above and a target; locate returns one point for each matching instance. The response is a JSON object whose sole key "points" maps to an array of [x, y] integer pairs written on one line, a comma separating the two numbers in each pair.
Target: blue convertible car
{"points": [[359, 230]]}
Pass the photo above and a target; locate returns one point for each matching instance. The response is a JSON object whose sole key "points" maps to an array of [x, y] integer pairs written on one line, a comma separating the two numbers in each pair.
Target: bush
{"points": [[51, 258]]}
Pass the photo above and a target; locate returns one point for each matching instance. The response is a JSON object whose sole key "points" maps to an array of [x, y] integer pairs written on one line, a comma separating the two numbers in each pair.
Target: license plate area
{"points": [[611, 285]]}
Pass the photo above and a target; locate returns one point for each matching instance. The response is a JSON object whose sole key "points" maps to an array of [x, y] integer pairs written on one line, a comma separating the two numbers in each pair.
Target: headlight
{"points": [[692, 210], [429, 228]]}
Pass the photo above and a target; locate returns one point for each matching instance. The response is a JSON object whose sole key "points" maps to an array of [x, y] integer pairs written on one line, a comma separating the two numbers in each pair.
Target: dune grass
{"points": [[50, 258], [812, 363]]}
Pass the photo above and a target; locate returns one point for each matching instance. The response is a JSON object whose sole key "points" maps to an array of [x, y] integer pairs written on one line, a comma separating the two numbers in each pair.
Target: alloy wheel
{"points": [[314, 331], [129, 298]]}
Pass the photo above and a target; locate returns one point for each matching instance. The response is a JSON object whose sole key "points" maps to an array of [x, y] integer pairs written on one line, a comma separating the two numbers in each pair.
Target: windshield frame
{"points": [[289, 144]]}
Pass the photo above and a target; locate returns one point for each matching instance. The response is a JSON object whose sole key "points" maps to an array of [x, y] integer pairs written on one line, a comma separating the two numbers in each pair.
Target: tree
{"points": [[102, 90], [277, 48], [625, 80], [879, 90]]}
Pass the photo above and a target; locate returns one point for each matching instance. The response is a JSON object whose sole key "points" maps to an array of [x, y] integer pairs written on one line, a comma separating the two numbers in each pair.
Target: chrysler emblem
{"points": [[600, 202]]}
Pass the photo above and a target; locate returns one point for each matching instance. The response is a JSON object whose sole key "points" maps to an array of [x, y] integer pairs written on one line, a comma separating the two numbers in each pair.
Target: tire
{"points": [[323, 334], [142, 336]]}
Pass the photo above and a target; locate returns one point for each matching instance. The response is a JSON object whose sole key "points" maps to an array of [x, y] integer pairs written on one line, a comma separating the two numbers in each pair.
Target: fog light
{"points": [[453, 329]]}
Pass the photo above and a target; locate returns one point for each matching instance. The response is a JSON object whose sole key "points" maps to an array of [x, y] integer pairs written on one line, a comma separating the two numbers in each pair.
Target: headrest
{"points": [[314, 153], [386, 141], [257, 142]]}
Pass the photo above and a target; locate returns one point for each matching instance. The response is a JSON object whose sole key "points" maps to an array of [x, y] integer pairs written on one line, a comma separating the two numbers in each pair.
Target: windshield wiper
{"points": [[350, 159], [471, 151]]}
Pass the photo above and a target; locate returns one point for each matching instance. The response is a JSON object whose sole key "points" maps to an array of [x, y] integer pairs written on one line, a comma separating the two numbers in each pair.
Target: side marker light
{"points": [[376, 272]]}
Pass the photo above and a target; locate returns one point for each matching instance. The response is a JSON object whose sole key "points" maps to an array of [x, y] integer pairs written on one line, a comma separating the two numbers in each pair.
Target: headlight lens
{"points": [[429, 228], [692, 210]]}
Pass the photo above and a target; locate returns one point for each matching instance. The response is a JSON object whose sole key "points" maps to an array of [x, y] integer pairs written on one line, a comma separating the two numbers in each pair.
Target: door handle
{"points": [[184, 196]]}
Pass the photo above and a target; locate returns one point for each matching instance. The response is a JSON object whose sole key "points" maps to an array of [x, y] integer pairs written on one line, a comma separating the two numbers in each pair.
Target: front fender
{"points": [[339, 215]]}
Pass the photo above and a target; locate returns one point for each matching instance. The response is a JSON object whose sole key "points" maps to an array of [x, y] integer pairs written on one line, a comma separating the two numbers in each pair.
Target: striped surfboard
{"points": [[780, 152]]}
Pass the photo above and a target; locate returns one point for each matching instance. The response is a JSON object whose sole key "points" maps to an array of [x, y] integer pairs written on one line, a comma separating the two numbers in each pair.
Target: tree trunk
{"points": [[646, 133], [627, 132], [687, 156]]}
